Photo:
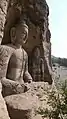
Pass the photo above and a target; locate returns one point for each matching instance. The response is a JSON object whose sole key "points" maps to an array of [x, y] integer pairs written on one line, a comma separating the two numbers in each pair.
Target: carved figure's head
{"points": [[36, 52], [19, 33]]}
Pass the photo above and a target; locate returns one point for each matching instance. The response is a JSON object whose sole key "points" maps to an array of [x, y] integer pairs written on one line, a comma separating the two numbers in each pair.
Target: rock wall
{"points": [[36, 103], [35, 14], [3, 12], [3, 109]]}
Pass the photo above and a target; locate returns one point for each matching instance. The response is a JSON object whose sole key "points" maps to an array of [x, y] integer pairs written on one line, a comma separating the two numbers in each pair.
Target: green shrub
{"points": [[58, 103]]}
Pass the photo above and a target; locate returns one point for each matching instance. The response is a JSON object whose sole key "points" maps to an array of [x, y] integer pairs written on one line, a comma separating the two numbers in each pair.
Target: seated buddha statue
{"points": [[14, 61]]}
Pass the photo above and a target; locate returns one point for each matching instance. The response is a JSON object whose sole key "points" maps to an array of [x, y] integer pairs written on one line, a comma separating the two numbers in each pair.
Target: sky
{"points": [[58, 27]]}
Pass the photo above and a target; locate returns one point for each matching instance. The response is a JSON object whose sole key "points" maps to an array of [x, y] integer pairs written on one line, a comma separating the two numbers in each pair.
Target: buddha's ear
{"points": [[26, 37], [13, 34]]}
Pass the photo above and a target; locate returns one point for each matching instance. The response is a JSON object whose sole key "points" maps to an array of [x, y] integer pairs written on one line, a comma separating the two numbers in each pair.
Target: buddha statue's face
{"points": [[20, 34]]}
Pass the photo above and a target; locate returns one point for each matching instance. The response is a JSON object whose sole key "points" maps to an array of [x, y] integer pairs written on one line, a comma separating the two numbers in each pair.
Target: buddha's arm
{"points": [[27, 76], [4, 60]]}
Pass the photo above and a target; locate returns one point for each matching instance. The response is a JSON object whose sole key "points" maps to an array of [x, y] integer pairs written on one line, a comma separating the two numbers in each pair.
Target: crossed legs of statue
{"points": [[10, 87]]}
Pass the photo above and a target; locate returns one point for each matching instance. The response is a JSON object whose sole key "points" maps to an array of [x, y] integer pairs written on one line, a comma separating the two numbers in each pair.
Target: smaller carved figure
{"points": [[14, 61], [37, 65]]}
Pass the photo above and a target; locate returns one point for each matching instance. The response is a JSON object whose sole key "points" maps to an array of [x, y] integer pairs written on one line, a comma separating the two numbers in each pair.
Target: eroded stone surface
{"points": [[3, 12], [35, 14], [36, 98], [3, 108], [21, 105], [37, 117]]}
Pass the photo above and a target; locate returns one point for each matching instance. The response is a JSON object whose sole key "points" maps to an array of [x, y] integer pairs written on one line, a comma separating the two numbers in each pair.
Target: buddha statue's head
{"points": [[19, 33]]}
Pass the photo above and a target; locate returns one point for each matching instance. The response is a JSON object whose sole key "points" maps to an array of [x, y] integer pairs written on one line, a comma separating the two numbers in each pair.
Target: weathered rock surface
{"points": [[28, 105], [3, 12], [21, 106], [37, 117], [3, 109], [35, 14]]}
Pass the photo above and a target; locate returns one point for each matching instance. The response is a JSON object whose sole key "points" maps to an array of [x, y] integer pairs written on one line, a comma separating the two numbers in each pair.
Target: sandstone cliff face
{"points": [[3, 12], [35, 14], [3, 108], [34, 104]]}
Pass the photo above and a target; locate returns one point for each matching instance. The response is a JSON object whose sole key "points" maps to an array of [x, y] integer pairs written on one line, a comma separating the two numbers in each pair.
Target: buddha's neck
{"points": [[19, 46]]}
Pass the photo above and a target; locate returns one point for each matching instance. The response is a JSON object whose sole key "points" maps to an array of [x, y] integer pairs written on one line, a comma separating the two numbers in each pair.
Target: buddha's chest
{"points": [[16, 60], [16, 65]]}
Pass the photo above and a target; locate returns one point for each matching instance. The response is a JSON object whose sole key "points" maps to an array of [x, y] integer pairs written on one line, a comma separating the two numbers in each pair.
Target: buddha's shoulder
{"points": [[6, 49]]}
